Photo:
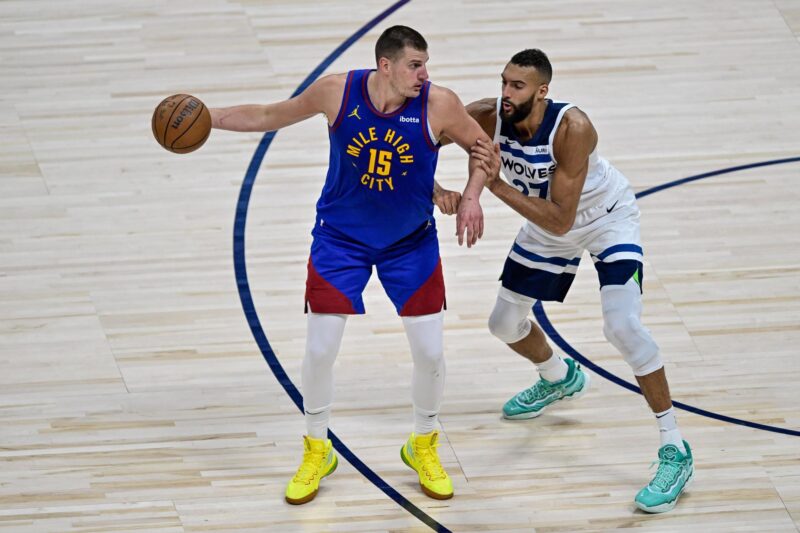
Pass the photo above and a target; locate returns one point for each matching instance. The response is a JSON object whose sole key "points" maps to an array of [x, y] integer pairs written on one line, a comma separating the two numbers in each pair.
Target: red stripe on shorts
{"points": [[322, 297], [429, 298]]}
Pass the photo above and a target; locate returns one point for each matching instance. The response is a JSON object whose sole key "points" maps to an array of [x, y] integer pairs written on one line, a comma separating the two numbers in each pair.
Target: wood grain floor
{"points": [[133, 396]]}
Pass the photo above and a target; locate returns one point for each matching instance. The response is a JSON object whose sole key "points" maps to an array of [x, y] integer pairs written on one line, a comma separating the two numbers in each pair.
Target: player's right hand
{"points": [[447, 201]]}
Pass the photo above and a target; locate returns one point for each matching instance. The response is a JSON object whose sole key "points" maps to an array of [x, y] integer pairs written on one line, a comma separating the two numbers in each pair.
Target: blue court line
{"points": [[727, 170], [243, 285], [547, 326]]}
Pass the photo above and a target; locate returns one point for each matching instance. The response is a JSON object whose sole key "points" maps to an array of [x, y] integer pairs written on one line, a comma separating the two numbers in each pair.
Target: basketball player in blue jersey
{"points": [[376, 209], [573, 200]]}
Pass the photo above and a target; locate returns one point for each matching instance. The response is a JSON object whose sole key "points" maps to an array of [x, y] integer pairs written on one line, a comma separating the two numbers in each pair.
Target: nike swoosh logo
{"points": [[612, 207]]}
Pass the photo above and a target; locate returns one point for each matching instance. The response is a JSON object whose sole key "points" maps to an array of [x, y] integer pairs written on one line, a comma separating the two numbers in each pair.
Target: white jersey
{"points": [[541, 265], [528, 166]]}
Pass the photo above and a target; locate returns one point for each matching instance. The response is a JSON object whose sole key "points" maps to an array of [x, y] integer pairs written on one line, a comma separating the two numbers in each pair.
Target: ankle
{"points": [[553, 369]]}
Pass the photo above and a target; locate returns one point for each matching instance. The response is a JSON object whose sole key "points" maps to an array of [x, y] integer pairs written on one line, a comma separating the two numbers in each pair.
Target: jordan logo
{"points": [[354, 114]]}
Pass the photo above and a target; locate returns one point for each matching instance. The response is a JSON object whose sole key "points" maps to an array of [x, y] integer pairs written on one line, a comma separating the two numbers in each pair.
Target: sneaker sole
{"points": [[427, 491], [574, 396], [666, 507], [309, 497]]}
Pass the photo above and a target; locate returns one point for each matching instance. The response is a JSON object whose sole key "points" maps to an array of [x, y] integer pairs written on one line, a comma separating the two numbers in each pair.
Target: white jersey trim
{"points": [[555, 129], [497, 121], [430, 132]]}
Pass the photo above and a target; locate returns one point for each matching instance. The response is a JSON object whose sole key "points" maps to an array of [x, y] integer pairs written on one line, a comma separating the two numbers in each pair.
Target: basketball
{"points": [[181, 123]]}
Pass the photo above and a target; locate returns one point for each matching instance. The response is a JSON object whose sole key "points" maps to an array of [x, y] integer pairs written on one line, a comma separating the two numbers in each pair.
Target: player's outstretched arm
{"points": [[485, 113], [457, 125], [322, 96], [574, 141]]}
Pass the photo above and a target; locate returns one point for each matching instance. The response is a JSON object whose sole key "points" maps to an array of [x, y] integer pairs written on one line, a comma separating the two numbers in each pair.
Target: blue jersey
{"points": [[379, 187]]}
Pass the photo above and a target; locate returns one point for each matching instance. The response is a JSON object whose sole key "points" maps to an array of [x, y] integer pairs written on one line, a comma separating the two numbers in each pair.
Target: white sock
{"points": [[317, 423], [668, 429], [552, 370], [427, 383], [424, 421]]}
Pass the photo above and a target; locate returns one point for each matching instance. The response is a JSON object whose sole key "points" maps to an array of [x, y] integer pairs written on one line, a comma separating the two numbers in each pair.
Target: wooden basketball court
{"points": [[135, 397]]}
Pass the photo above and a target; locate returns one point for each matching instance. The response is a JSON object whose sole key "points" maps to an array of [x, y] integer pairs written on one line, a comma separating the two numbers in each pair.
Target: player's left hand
{"points": [[446, 200], [489, 157], [469, 218]]}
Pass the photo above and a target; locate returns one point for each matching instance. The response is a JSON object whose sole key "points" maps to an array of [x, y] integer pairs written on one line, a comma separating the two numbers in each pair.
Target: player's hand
{"points": [[469, 219], [488, 155], [447, 201]]}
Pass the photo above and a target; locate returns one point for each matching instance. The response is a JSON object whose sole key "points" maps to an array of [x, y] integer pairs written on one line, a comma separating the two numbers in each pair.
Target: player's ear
{"points": [[543, 90], [383, 65]]}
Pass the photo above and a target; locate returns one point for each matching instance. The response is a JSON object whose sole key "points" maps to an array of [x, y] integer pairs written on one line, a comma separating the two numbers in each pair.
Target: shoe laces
{"points": [[312, 460], [428, 458], [667, 471], [538, 391]]}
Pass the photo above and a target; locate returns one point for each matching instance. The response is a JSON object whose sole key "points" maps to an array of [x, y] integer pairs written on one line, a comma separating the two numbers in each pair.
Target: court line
{"points": [[243, 285], [547, 326]]}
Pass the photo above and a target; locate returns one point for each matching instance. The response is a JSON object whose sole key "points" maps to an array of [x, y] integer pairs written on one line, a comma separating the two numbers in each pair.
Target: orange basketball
{"points": [[181, 123]]}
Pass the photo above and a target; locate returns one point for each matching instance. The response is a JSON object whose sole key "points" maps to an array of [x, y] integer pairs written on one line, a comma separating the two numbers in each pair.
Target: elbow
{"points": [[561, 228]]}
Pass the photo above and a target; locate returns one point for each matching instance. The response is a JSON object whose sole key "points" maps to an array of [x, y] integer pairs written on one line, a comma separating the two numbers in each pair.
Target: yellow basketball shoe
{"points": [[420, 454], [319, 460]]}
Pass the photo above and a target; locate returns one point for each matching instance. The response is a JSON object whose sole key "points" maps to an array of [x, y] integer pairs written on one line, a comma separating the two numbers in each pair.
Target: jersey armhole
{"points": [[343, 105], [497, 122], [426, 131], [555, 130]]}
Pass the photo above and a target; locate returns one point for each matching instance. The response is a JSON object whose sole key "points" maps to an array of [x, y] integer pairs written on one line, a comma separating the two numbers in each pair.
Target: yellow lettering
{"points": [[389, 135], [363, 140], [358, 143], [403, 148], [372, 136], [372, 182], [400, 138], [372, 153], [384, 161], [406, 158], [352, 150]]}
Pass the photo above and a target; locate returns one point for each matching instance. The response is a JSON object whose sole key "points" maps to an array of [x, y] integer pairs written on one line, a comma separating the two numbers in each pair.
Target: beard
{"points": [[518, 112]]}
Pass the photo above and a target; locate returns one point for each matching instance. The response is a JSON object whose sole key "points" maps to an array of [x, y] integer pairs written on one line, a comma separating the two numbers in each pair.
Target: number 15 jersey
{"points": [[379, 186]]}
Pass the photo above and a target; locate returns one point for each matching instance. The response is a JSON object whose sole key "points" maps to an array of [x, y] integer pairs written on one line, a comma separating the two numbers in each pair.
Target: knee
{"points": [[626, 332], [617, 327], [323, 339], [425, 340], [507, 327], [497, 326], [429, 359], [318, 355]]}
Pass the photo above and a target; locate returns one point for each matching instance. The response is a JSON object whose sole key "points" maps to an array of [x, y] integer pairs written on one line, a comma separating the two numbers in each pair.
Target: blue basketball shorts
{"points": [[410, 271]]}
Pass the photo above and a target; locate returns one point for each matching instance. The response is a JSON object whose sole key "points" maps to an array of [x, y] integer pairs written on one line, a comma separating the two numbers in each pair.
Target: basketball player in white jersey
{"points": [[572, 200]]}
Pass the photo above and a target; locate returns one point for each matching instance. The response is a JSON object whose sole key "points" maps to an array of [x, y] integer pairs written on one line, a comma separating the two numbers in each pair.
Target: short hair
{"points": [[533, 57], [394, 39]]}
